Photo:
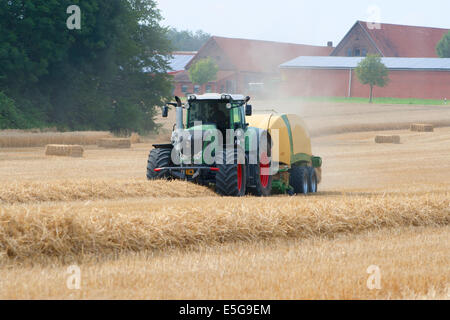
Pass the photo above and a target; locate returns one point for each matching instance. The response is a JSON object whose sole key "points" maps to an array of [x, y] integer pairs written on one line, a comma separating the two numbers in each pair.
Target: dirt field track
{"points": [[385, 205]]}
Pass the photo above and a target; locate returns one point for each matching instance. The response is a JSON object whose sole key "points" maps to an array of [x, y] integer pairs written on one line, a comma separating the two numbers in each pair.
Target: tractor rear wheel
{"points": [[158, 158], [299, 180], [262, 178], [231, 179]]}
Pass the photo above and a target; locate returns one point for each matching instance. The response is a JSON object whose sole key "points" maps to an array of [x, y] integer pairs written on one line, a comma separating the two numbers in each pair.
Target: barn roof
{"points": [[436, 64], [393, 40], [264, 56], [179, 60]]}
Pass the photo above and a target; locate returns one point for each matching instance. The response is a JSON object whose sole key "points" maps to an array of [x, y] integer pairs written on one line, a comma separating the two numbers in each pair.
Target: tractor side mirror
{"points": [[248, 110], [165, 111]]}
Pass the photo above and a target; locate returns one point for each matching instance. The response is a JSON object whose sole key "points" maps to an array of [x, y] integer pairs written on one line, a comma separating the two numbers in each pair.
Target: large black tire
{"points": [[312, 180], [263, 182], [158, 158], [299, 180], [231, 179]]}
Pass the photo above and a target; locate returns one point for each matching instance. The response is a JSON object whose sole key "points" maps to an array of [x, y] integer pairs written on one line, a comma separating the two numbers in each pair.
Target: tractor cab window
{"points": [[216, 113]]}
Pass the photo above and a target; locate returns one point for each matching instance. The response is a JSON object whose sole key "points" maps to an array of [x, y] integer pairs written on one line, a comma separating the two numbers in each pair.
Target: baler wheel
{"points": [[312, 180], [299, 179]]}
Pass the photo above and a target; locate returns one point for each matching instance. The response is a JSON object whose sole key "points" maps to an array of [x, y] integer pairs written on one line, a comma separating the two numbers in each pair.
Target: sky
{"points": [[297, 21]]}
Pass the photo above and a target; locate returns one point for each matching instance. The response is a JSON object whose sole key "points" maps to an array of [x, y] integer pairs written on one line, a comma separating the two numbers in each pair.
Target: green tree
{"points": [[10, 117], [203, 71], [443, 47], [373, 72], [185, 40], [79, 79]]}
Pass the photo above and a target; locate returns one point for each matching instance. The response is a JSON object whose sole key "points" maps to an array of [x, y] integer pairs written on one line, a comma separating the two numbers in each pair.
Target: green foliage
{"points": [[10, 117], [373, 72], [78, 78], [443, 47], [203, 71], [185, 40]]}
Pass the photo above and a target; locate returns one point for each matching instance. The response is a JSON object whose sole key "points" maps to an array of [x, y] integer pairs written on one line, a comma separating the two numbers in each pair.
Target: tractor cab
{"points": [[221, 112]]}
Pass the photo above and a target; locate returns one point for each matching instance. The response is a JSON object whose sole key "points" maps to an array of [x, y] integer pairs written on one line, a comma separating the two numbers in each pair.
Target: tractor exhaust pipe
{"points": [[179, 114]]}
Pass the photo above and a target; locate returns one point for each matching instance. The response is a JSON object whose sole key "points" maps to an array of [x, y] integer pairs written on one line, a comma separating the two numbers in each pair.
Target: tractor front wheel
{"points": [[232, 176], [158, 158]]}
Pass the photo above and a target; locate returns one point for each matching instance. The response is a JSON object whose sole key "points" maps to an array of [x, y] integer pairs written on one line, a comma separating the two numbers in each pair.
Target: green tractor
{"points": [[220, 143]]}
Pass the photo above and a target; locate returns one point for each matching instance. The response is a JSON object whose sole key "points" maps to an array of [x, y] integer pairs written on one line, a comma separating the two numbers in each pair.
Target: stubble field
{"points": [[383, 205]]}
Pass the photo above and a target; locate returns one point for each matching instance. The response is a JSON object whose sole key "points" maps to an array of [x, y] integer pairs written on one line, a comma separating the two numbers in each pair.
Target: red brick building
{"points": [[244, 65], [421, 78], [408, 52]]}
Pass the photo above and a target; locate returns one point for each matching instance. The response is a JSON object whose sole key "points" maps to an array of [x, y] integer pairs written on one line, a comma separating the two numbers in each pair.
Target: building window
{"points": [[208, 88], [357, 52], [184, 88], [349, 52], [364, 52], [196, 89]]}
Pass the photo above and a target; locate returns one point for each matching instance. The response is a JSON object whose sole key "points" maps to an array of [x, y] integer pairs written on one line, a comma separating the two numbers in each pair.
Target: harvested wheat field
{"points": [[383, 205]]}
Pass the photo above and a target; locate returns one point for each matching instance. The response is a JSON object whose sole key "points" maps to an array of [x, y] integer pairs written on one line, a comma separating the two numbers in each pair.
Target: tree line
{"points": [[107, 75]]}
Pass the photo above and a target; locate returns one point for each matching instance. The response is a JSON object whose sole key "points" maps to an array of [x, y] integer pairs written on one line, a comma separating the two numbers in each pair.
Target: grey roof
{"points": [[352, 62], [179, 61]]}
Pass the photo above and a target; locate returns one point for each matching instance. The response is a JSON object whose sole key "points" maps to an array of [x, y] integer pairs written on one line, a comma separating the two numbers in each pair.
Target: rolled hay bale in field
{"points": [[422, 127], [64, 150], [387, 139], [114, 143]]}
